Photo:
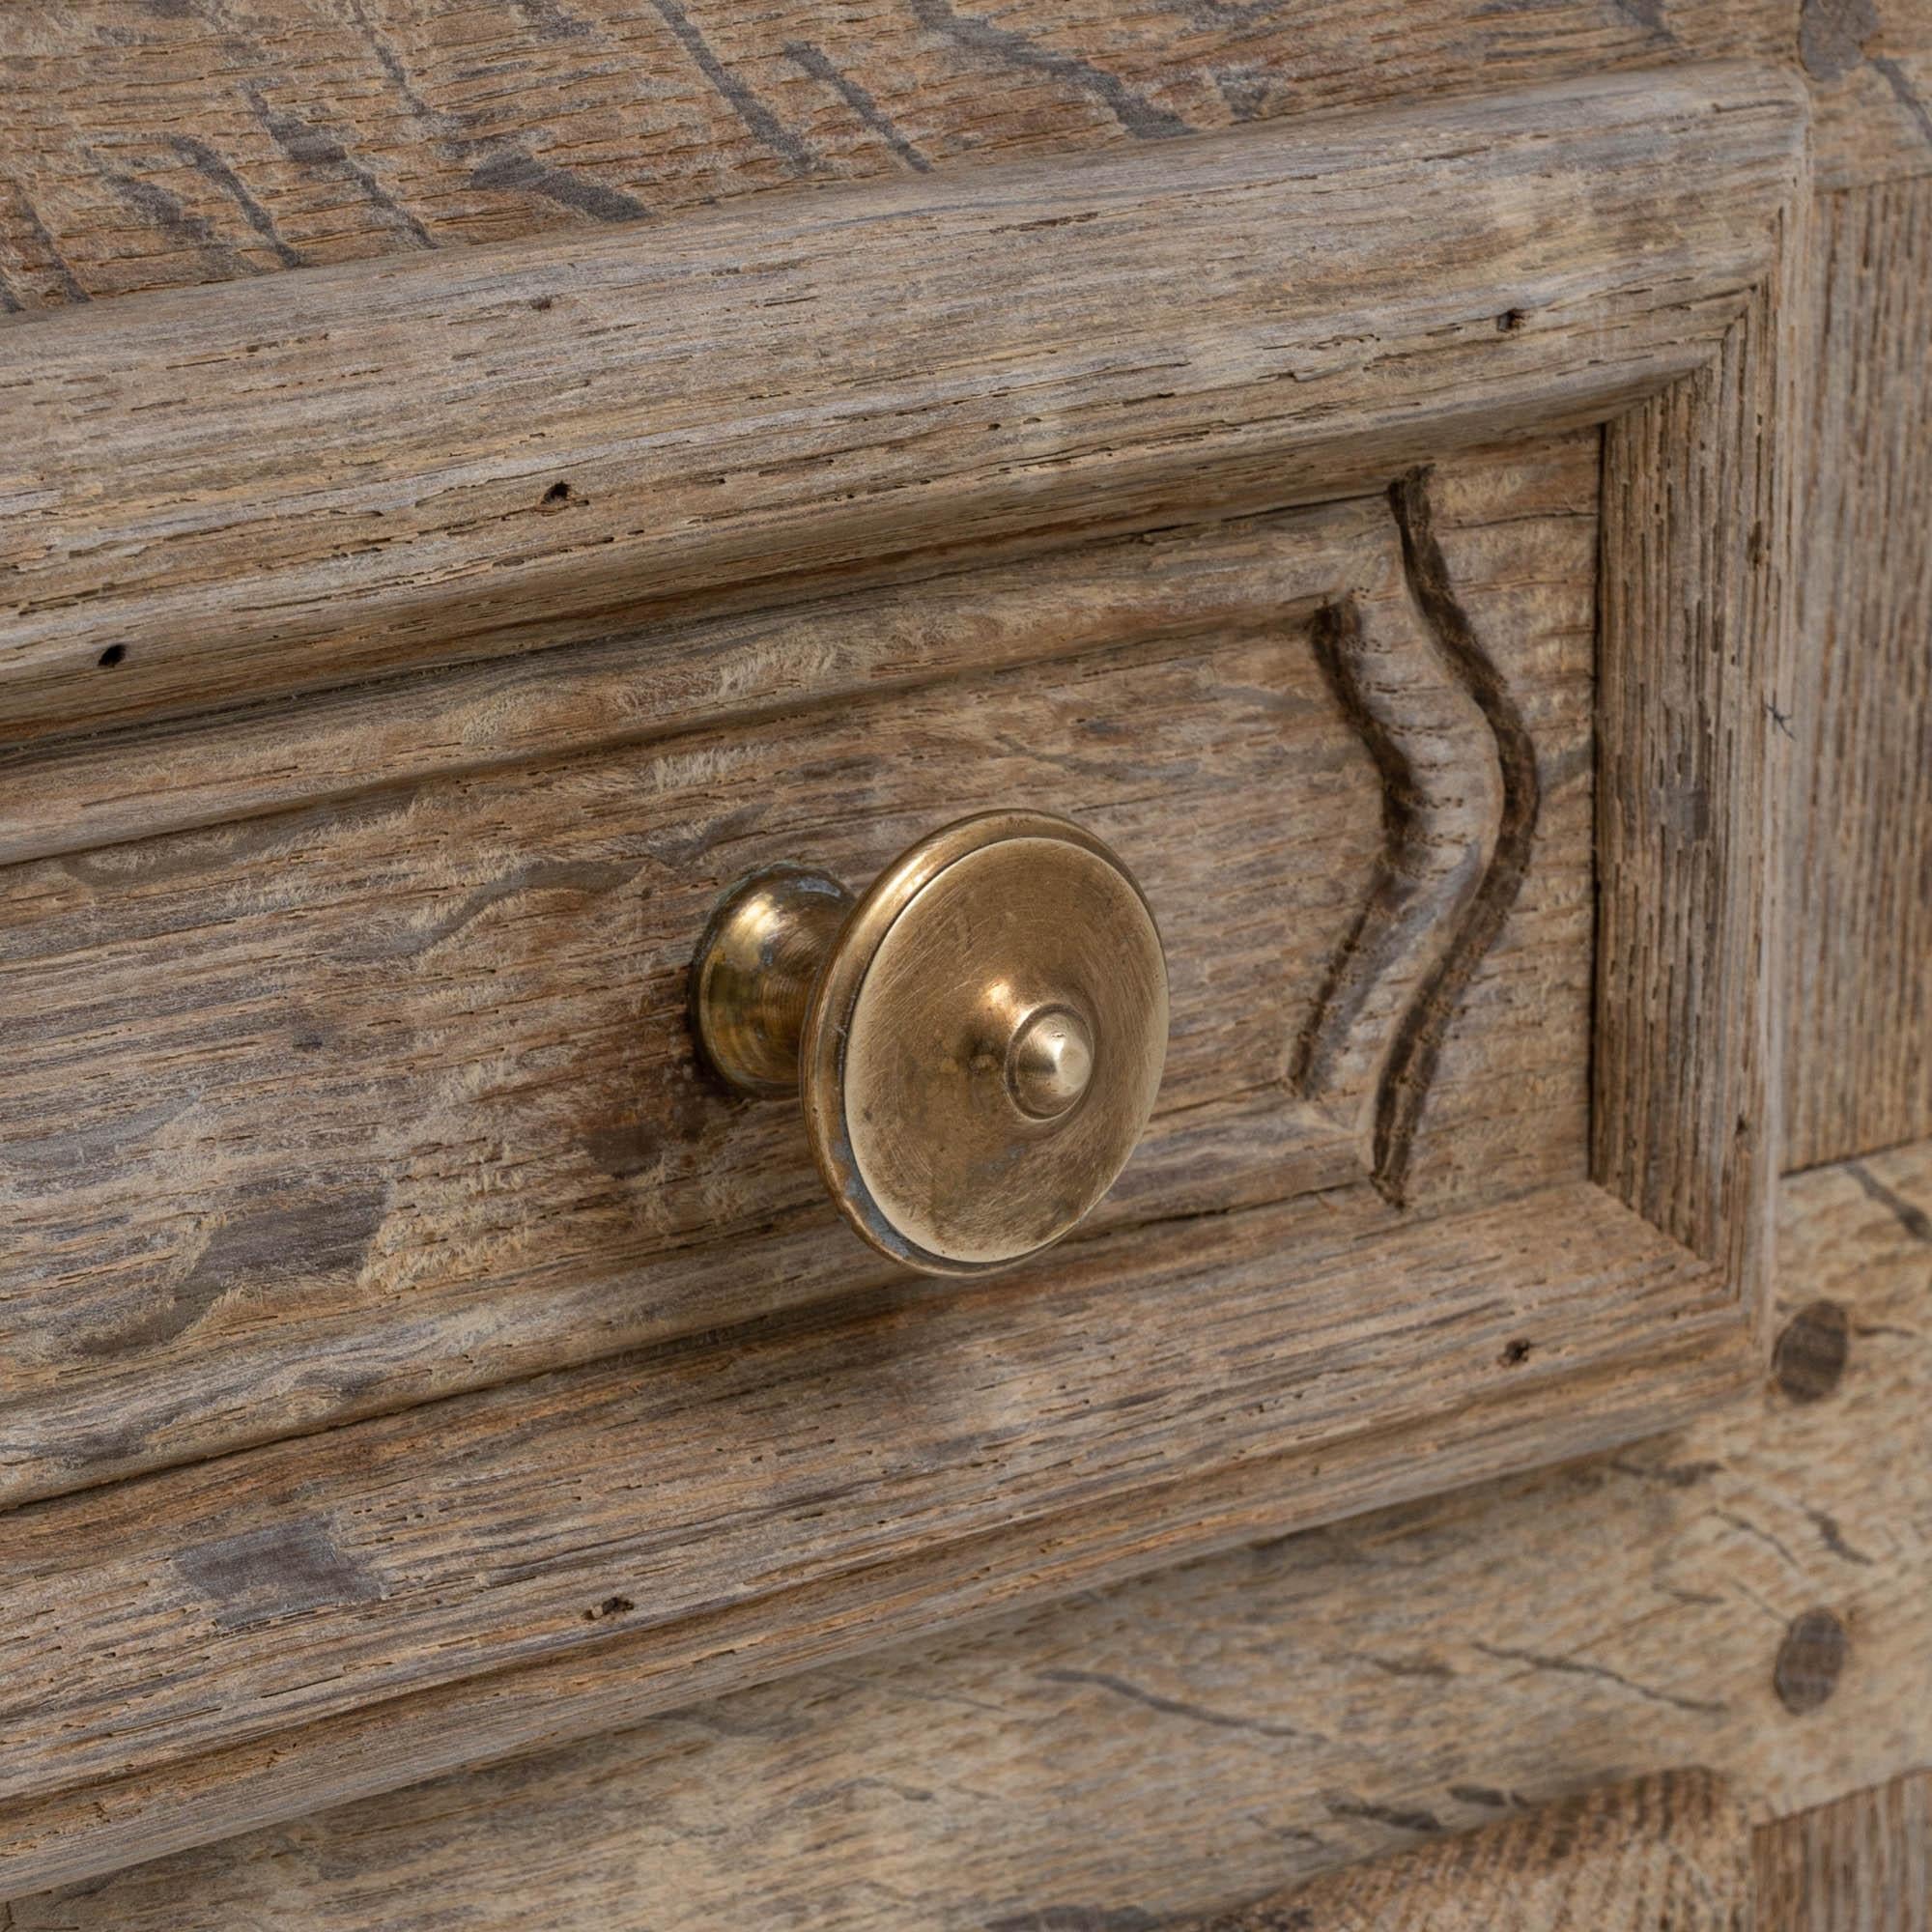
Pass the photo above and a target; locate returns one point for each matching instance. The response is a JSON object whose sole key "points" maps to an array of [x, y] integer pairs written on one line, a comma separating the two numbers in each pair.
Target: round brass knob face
{"points": [[982, 1037]]}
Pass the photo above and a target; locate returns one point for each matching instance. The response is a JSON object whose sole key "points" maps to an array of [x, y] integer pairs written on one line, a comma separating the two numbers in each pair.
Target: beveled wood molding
{"points": [[322, 476], [303, 1622]]}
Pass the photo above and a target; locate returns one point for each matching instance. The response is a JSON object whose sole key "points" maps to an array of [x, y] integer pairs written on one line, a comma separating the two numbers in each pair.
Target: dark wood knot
{"points": [[1811, 1354], [1809, 1662]]}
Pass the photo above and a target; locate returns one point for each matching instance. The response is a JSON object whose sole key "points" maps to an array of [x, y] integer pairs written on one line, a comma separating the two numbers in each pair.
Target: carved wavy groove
{"points": [[1417, 1047], [1395, 911], [1412, 907]]}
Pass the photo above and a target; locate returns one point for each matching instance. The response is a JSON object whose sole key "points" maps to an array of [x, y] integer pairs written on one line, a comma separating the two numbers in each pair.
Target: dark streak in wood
{"points": [[1907, 95], [1834, 38], [1648, 14], [70, 283], [512, 168], [446, 127], [815, 62], [1225, 13], [327, 1234], [585, 876], [1399, 1817], [796, 154], [314, 146], [1911, 1218], [281, 1571], [1576, 1667], [155, 204], [1138, 115], [1419, 1035], [551, 21], [1172, 1706], [201, 156]]}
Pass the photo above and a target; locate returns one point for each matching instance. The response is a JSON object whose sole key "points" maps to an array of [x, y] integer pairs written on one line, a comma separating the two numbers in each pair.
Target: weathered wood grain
{"points": [[1860, 1018], [1200, 582], [305, 1620], [325, 1113], [320, 1618], [1188, 1740], [1862, 1864], [1671, 1852], [149, 148], [365, 467], [1699, 656], [985, 1476], [1869, 65]]}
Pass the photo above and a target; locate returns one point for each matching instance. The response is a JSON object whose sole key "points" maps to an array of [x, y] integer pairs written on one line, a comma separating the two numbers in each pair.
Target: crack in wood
{"points": [[1137, 114]]}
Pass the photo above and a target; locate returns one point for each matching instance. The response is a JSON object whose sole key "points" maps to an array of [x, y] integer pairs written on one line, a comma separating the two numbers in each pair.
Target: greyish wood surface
{"points": [[148, 147], [1859, 1014], [1698, 489], [321, 135], [393, 1096], [542, 1558], [454, 456], [1187, 1741]]}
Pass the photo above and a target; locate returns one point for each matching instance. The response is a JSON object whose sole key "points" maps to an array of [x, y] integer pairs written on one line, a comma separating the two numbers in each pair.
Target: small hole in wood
{"points": [[1515, 1354], [1511, 320], [558, 492], [543, 302], [111, 656], [611, 1606]]}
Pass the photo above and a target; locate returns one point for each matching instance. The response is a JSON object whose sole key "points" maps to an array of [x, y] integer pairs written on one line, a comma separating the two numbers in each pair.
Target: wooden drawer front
{"points": [[1419, 655], [377, 1098]]}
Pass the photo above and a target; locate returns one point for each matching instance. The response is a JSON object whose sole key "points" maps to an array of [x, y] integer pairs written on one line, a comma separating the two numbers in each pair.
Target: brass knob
{"points": [[978, 1041]]}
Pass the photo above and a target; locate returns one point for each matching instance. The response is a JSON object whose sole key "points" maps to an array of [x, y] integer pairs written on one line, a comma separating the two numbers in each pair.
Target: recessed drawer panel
{"points": [[383, 1096]]}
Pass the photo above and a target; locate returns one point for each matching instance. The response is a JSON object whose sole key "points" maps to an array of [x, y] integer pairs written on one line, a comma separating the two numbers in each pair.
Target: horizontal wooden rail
{"points": [[253, 1637], [213, 496]]}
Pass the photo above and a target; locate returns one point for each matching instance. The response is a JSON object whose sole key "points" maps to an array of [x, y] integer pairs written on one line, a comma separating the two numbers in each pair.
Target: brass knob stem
{"points": [[757, 967], [977, 1043]]}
